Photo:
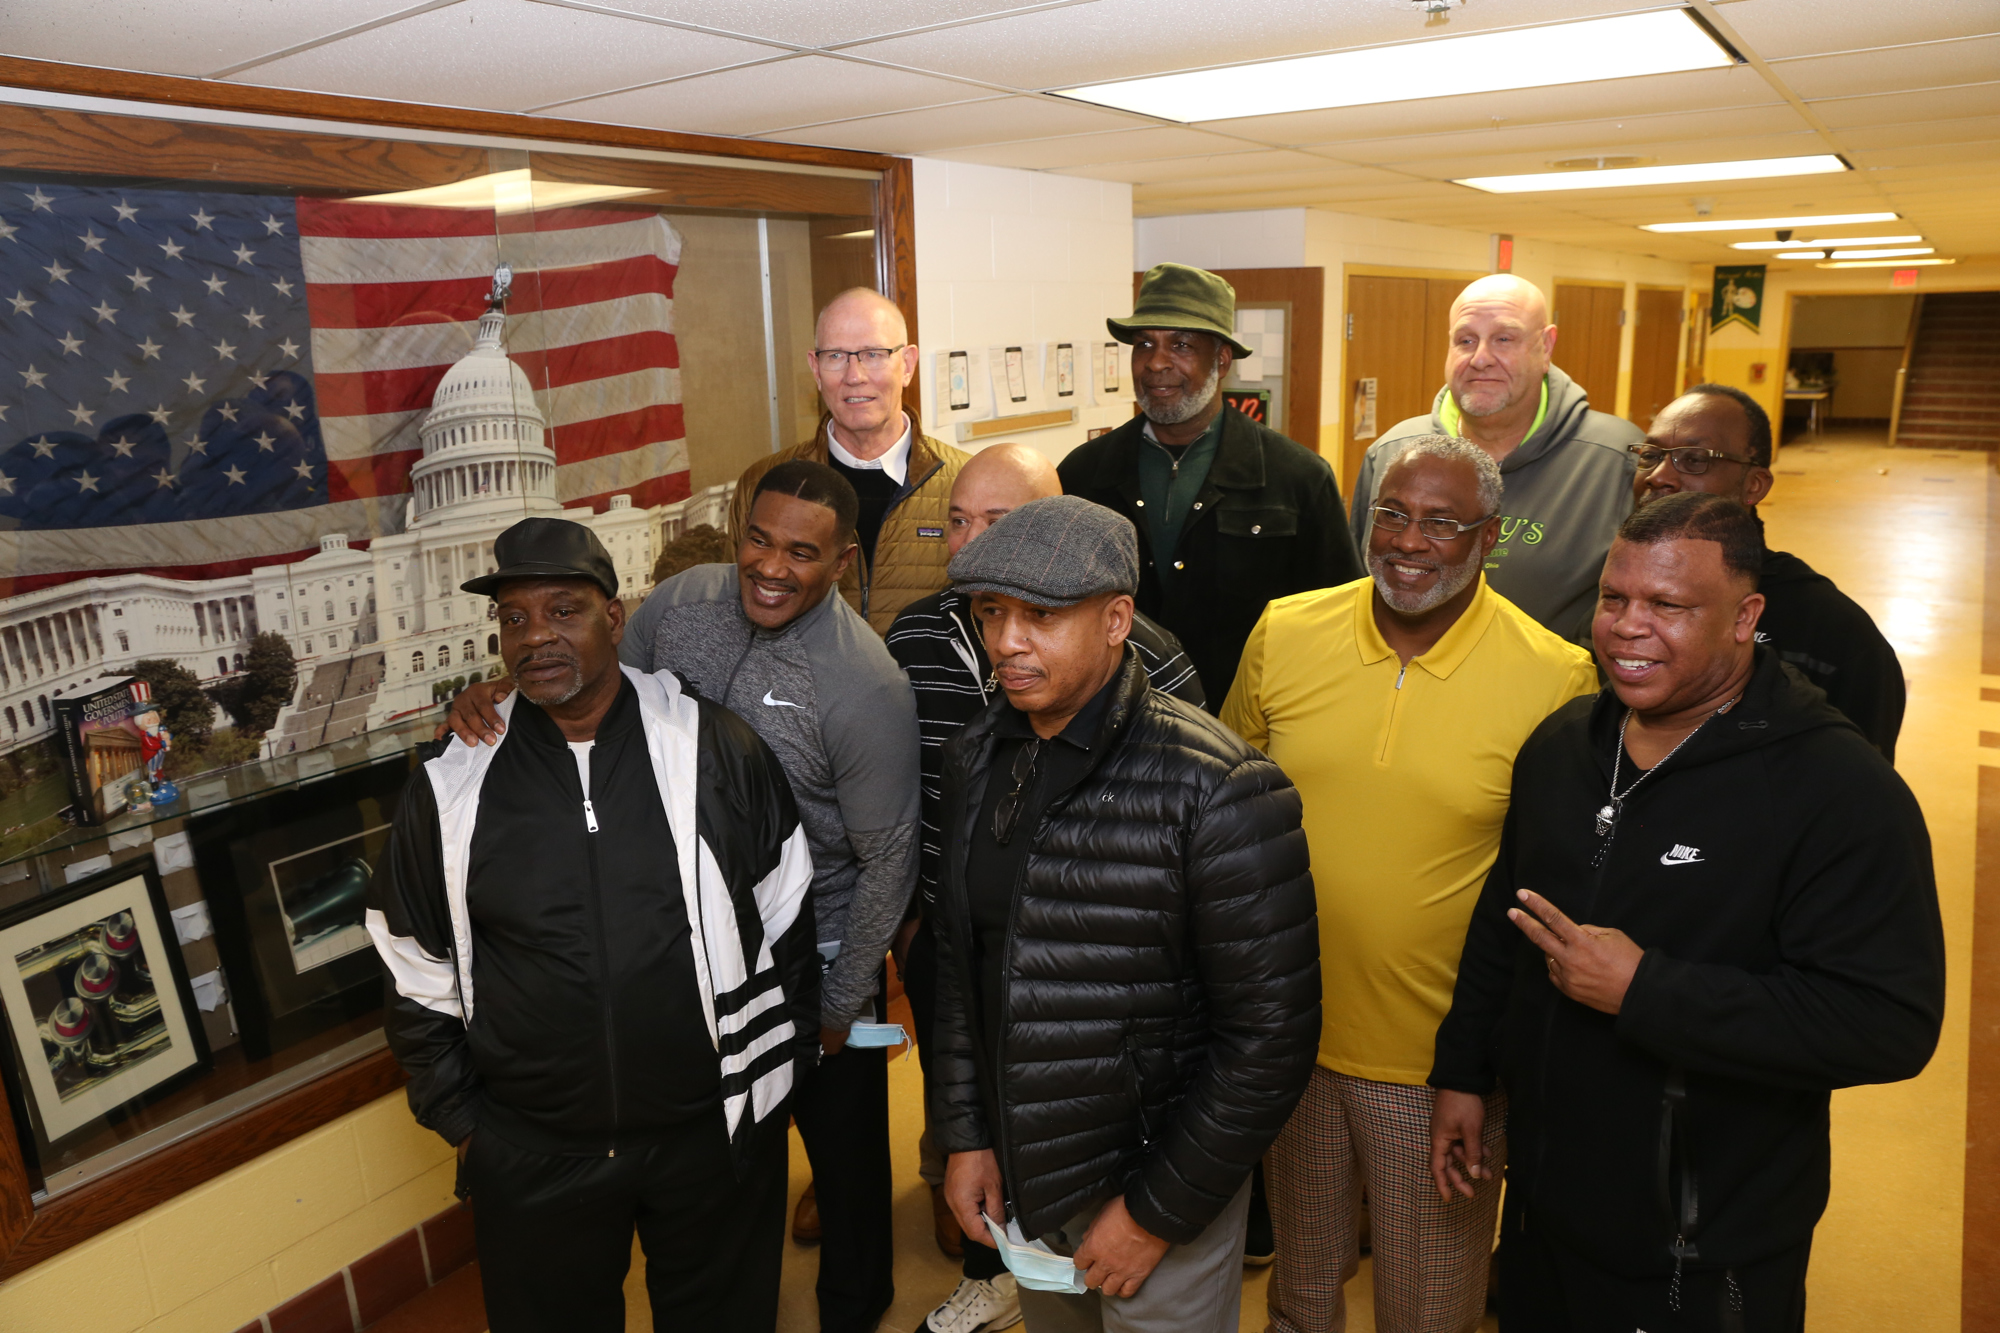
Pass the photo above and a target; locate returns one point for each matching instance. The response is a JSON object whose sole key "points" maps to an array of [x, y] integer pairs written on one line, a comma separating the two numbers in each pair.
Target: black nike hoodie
{"points": [[1777, 873]]}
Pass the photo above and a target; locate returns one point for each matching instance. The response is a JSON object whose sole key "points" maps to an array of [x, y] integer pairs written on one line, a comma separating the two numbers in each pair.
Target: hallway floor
{"points": [[1902, 532]]}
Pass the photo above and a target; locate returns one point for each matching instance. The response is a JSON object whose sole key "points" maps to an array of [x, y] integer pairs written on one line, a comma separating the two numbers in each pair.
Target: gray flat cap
{"points": [[1053, 552]]}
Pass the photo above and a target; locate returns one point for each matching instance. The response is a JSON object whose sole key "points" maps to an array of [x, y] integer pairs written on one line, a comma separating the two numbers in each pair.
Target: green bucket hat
{"points": [[1175, 296]]}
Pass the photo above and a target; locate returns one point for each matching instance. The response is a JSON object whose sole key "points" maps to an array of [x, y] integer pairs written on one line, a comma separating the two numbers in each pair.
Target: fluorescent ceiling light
{"points": [[505, 192], [1884, 263], [1686, 173], [1664, 41], [1833, 252], [1772, 224], [1818, 244]]}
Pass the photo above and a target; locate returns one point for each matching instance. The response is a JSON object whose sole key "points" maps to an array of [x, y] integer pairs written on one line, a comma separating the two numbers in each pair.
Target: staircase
{"points": [[1951, 395]]}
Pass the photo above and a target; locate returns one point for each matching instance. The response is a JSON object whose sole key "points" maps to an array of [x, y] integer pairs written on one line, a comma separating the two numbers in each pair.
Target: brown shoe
{"points": [[950, 1236], [805, 1219]]}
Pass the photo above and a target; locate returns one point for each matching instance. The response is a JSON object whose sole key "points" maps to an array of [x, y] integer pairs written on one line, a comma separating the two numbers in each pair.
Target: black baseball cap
{"points": [[547, 548]]}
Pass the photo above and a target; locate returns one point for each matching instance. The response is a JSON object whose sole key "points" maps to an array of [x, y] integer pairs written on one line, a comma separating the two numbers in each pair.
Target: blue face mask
{"points": [[876, 1034], [1033, 1264]]}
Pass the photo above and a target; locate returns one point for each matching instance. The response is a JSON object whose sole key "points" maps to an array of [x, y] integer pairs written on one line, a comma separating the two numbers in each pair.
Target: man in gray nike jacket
{"points": [[1568, 475], [765, 639]]}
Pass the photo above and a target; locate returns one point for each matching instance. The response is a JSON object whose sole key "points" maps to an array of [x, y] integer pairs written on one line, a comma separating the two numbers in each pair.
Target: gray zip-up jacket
{"points": [[1569, 486], [837, 711]]}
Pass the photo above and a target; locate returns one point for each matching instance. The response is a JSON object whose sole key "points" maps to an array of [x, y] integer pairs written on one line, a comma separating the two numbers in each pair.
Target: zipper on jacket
{"points": [[1000, 1016], [1603, 864], [603, 968]]}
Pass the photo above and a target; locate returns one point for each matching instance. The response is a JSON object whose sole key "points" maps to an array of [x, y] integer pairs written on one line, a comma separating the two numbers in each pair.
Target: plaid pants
{"points": [[1430, 1256]]}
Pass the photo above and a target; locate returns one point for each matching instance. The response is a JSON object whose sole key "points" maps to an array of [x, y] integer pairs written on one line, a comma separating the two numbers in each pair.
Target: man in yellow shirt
{"points": [[1396, 705]]}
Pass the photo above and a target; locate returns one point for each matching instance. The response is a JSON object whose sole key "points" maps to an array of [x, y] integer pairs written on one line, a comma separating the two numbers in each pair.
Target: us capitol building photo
{"points": [[377, 634]]}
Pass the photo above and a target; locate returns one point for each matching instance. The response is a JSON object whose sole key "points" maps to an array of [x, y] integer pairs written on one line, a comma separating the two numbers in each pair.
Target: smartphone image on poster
{"points": [[1017, 377], [1111, 360], [1065, 370], [961, 382]]}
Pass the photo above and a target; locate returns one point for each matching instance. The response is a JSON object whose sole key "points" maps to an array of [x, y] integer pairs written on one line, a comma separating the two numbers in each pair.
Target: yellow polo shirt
{"points": [[1404, 772]]}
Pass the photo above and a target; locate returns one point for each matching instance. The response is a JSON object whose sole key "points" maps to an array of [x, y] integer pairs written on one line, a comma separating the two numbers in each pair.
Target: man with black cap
{"points": [[1230, 514], [619, 888], [770, 638], [1128, 976]]}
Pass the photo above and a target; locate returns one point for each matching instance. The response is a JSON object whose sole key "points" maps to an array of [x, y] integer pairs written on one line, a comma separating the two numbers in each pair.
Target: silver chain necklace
{"points": [[1612, 810]]}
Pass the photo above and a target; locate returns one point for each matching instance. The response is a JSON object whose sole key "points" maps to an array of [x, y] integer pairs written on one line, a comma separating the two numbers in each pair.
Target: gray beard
{"points": [[1452, 580], [563, 693], [1189, 408]]}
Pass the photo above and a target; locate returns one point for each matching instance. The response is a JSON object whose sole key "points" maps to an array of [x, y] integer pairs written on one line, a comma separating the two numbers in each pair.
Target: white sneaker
{"points": [[978, 1307]]}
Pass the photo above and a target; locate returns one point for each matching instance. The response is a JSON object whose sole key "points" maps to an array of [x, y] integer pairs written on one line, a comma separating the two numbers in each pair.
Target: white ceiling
{"points": [[1909, 92]]}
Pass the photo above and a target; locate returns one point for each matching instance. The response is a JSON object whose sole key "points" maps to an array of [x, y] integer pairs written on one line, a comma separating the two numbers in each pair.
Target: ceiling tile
{"points": [[1218, 169], [1507, 164], [1696, 90], [1115, 39], [1978, 99], [1360, 182], [500, 54], [186, 38], [816, 24], [1930, 65], [1971, 129], [1574, 138], [935, 131], [770, 97], [1122, 149], [1779, 28]]}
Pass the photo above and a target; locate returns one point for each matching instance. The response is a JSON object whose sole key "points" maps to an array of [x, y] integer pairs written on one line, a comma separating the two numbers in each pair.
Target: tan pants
{"points": [[1430, 1256]]}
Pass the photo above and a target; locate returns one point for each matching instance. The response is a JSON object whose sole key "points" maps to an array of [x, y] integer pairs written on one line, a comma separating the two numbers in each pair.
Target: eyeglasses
{"points": [[1007, 811], [871, 358], [1437, 529], [1688, 461]]}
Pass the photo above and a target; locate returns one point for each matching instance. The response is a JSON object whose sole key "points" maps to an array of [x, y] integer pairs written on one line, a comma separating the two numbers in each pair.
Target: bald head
{"points": [[997, 481], [1501, 340], [866, 311], [1505, 292]]}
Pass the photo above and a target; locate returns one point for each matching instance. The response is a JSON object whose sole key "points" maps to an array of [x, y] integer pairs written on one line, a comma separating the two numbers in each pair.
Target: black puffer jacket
{"points": [[1161, 984]]}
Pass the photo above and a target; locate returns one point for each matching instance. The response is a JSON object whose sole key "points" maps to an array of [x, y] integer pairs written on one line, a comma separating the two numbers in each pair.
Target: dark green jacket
{"points": [[1269, 523]]}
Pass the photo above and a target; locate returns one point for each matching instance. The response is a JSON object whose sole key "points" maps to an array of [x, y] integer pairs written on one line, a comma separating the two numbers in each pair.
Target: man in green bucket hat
{"points": [[1230, 513]]}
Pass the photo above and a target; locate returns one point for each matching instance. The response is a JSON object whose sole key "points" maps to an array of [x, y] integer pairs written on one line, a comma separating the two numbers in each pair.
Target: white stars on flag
{"points": [[117, 382], [194, 382], [106, 312], [81, 415], [71, 344], [86, 481], [22, 305], [125, 211], [57, 273]]}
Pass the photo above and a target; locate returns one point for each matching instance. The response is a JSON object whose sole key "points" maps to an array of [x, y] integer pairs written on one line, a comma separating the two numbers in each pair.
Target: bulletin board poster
{"points": [[1739, 296]]}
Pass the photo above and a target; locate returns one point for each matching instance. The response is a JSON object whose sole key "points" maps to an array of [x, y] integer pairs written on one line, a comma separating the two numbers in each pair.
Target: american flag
{"points": [[193, 384]]}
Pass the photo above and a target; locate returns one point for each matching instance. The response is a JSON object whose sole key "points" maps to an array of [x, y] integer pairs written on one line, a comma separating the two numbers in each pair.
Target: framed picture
{"points": [[99, 1013], [287, 883]]}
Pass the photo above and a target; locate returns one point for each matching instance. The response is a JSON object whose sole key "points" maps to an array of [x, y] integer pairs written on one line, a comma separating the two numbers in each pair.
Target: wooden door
{"points": [[1586, 320], [1656, 346], [1386, 342]]}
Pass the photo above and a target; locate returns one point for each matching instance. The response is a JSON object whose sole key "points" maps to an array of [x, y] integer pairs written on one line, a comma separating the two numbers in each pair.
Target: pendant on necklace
{"points": [[1605, 816]]}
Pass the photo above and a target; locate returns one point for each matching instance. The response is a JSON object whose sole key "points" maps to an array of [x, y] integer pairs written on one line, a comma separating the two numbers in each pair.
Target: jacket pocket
{"points": [[1257, 523], [1254, 549], [1135, 1088]]}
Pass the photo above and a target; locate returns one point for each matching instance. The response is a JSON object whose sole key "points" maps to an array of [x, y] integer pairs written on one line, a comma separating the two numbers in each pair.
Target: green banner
{"points": [[1739, 296]]}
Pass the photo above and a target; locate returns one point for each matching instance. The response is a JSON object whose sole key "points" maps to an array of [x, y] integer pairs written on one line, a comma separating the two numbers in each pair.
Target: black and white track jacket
{"points": [[578, 971]]}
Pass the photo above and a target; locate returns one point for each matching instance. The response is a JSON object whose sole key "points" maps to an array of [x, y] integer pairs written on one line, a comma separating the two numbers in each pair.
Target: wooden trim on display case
{"points": [[29, 1234], [896, 257], [169, 90]]}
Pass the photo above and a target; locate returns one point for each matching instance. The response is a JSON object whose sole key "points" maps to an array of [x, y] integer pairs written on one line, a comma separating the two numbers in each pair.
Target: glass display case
{"points": [[274, 372]]}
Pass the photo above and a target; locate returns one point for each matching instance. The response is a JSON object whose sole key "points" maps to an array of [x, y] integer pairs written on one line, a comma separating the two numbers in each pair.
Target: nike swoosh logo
{"points": [[769, 702], [1669, 859]]}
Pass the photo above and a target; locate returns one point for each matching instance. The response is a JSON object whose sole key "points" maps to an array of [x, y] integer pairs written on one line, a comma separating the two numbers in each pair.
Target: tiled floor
{"points": [[1903, 532]]}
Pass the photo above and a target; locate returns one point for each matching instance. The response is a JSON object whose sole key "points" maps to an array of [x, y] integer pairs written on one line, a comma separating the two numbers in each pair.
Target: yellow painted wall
{"points": [[218, 1256], [1732, 351]]}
